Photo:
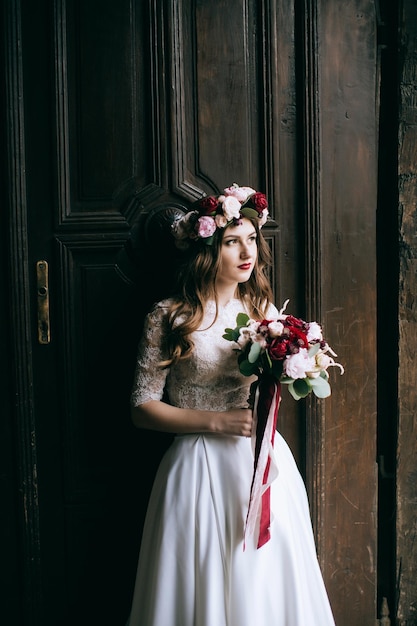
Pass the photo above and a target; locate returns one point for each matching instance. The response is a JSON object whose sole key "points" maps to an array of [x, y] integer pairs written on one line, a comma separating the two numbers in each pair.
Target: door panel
{"points": [[119, 111], [343, 292]]}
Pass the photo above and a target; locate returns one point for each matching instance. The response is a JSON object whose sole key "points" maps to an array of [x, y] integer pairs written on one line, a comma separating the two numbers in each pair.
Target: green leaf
{"points": [[254, 352], [268, 359], [314, 349], [321, 387], [247, 368], [302, 387], [249, 212], [229, 334], [286, 380], [242, 319], [293, 392], [236, 334]]}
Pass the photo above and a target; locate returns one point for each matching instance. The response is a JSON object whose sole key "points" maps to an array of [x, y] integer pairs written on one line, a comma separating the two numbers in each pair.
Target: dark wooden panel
{"points": [[406, 549], [102, 88], [341, 275], [25, 511], [103, 460], [10, 481], [94, 300]]}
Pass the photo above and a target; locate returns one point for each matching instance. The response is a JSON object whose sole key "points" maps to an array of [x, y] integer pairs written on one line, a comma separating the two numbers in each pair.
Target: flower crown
{"points": [[212, 212]]}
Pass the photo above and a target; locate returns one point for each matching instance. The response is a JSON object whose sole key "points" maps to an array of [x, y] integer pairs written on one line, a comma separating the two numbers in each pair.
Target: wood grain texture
{"points": [[407, 317], [341, 279]]}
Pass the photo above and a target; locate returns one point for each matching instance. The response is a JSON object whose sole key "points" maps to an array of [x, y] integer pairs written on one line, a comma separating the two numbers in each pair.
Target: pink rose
{"points": [[240, 193], [206, 226]]}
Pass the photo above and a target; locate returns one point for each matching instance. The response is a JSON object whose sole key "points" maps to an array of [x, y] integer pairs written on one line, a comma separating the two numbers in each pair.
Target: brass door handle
{"points": [[44, 331]]}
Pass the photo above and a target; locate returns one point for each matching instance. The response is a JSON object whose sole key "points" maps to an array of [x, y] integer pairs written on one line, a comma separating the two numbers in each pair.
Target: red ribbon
{"points": [[267, 400]]}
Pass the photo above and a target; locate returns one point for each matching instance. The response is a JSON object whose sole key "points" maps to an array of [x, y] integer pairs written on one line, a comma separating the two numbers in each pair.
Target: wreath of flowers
{"points": [[213, 212]]}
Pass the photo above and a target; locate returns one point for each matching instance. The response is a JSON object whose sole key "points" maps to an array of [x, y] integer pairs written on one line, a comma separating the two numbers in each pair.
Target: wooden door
{"points": [[114, 111]]}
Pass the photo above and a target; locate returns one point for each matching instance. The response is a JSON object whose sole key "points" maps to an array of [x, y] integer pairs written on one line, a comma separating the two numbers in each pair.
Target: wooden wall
{"points": [[406, 518]]}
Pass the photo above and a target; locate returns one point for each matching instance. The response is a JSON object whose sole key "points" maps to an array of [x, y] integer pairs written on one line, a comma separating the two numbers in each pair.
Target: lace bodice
{"points": [[209, 379]]}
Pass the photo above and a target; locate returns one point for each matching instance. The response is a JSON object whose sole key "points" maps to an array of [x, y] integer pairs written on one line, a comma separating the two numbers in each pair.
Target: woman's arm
{"points": [[157, 415]]}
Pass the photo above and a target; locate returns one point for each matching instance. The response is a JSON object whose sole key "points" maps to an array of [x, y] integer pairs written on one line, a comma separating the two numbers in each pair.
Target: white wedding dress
{"points": [[193, 570]]}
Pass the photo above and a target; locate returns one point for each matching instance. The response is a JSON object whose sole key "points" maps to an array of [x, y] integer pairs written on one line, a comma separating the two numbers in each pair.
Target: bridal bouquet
{"points": [[284, 350], [287, 348]]}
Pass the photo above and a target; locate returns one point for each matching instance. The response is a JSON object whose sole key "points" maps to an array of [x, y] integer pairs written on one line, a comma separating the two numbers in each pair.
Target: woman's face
{"points": [[238, 254]]}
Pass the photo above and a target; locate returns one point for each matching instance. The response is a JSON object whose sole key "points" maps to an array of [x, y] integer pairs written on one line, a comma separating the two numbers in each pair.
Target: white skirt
{"points": [[193, 569]]}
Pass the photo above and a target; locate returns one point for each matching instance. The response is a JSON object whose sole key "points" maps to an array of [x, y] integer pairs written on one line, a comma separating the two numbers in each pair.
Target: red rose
{"points": [[297, 337], [290, 320], [278, 349], [208, 205], [259, 201]]}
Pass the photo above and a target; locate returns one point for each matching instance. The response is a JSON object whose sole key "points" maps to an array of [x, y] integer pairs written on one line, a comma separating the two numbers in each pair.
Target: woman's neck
{"points": [[226, 293]]}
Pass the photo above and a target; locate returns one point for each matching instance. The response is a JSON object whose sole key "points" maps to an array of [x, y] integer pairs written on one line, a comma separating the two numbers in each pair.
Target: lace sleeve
{"points": [[149, 381]]}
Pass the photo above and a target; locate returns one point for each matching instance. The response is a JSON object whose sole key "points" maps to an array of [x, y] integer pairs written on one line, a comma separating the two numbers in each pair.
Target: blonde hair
{"points": [[196, 285]]}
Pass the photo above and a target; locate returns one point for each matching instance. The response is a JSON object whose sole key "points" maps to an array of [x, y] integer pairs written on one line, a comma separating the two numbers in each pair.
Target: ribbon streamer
{"points": [[265, 415]]}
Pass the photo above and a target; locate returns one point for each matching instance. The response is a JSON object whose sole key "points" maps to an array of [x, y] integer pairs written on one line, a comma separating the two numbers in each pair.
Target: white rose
{"points": [[275, 329], [314, 332], [297, 365], [231, 208], [221, 220]]}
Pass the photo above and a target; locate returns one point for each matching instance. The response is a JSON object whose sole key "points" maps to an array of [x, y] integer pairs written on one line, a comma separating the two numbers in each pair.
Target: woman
{"points": [[195, 568]]}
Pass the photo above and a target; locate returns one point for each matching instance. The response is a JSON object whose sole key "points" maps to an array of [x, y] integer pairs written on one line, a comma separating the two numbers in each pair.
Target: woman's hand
{"points": [[157, 415], [233, 422]]}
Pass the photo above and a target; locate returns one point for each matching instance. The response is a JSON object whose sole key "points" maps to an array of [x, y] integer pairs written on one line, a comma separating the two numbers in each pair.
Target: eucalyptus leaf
{"points": [[247, 368], [321, 387], [293, 392], [302, 387], [314, 349], [286, 380], [254, 352]]}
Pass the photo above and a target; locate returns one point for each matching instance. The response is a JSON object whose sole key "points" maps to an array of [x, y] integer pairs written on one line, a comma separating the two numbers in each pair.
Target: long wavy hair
{"points": [[196, 280]]}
